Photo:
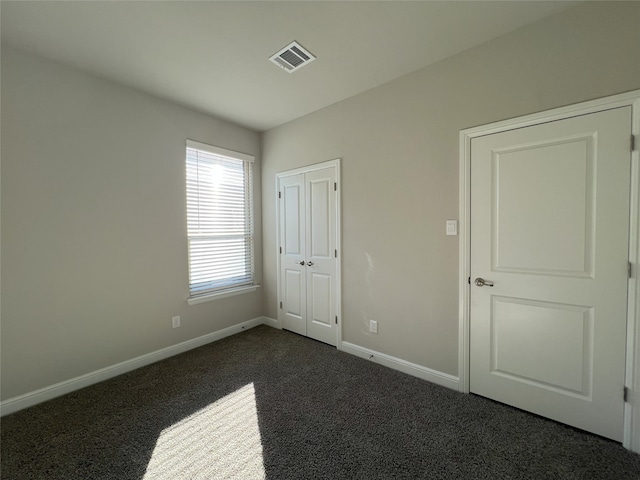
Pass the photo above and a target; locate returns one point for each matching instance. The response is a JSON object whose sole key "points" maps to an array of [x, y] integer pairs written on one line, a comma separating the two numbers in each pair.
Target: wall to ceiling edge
{"points": [[399, 149]]}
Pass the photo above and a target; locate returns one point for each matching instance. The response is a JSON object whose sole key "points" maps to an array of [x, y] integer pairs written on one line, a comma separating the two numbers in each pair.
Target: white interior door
{"points": [[549, 229], [308, 274]]}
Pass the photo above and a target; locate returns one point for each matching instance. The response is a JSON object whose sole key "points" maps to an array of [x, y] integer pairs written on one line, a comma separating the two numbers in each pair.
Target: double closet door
{"points": [[308, 251]]}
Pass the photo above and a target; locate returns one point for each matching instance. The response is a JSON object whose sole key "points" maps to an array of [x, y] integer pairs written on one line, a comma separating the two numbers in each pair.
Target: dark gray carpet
{"points": [[321, 414]]}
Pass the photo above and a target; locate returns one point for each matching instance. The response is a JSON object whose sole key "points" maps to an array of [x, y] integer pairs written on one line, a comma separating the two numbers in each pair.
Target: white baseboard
{"points": [[272, 322], [21, 402], [413, 369]]}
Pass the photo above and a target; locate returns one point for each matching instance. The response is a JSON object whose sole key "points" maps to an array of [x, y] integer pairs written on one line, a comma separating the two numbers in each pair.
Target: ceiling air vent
{"points": [[292, 57]]}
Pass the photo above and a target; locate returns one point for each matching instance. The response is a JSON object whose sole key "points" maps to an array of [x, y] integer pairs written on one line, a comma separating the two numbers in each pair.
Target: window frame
{"points": [[247, 161]]}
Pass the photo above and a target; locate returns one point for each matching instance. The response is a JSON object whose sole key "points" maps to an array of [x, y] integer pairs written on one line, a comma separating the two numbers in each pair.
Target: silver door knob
{"points": [[309, 263], [481, 282], [301, 263]]}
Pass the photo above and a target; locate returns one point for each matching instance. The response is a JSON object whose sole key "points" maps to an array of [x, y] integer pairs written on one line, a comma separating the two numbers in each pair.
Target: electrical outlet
{"points": [[373, 326], [175, 322]]}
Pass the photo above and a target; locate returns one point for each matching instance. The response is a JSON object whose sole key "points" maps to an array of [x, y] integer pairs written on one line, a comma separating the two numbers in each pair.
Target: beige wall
{"points": [[93, 240], [399, 145], [94, 251]]}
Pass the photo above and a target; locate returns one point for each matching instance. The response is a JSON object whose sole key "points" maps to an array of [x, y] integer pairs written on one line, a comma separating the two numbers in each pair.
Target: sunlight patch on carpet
{"points": [[220, 441]]}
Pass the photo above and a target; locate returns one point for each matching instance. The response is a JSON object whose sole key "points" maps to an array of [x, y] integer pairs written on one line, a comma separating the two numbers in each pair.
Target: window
{"points": [[219, 219]]}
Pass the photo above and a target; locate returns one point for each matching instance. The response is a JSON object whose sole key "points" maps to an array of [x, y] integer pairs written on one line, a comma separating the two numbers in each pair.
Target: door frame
{"points": [[310, 168], [631, 435]]}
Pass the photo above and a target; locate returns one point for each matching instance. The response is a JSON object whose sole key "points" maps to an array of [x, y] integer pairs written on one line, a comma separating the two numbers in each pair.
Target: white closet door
{"points": [[308, 274], [321, 254], [292, 258]]}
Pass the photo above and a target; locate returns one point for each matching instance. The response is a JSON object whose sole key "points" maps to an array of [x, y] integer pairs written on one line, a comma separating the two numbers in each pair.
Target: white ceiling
{"points": [[213, 56]]}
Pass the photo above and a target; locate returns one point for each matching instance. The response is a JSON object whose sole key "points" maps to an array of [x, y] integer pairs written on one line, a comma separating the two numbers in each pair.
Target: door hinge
{"points": [[469, 280], [335, 186], [625, 394], [280, 304], [633, 142], [335, 253], [279, 194], [336, 319], [629, 269], [280, 250]]}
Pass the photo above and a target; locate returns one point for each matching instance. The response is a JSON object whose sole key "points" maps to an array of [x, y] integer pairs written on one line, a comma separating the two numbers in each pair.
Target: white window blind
{"points": [[219, 219]]}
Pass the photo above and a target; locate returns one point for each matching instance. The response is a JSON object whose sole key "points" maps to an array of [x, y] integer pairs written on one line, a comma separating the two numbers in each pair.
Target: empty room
{"points": [[320, 239]]}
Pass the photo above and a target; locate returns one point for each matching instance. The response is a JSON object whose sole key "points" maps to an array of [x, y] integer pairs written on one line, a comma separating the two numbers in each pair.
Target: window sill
{"points": [[227, 293]]}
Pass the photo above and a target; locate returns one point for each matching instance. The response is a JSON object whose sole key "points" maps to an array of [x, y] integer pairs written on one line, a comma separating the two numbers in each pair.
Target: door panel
{"points": [[556, 337], [293, 243], [292, 235], [549, 228], [319, 218], [530, 232], [320, 302], [293, 293]]}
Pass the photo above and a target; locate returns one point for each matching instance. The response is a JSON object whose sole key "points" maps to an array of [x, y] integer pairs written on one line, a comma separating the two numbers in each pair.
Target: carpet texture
{"points": [[271, 404]]}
